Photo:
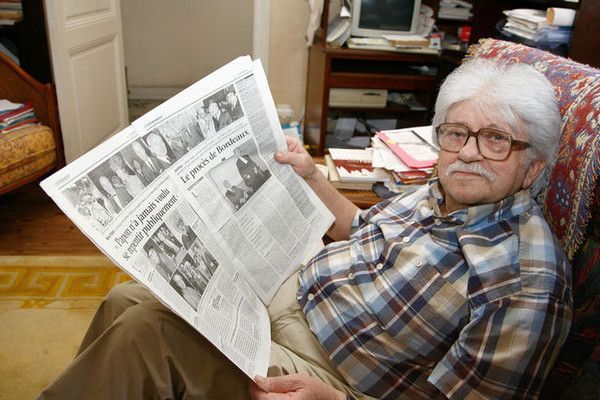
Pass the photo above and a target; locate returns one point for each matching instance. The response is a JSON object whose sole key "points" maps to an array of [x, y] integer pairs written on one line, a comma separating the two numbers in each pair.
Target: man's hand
{"points": [[298, 158], [293, 387], [342, 208]]}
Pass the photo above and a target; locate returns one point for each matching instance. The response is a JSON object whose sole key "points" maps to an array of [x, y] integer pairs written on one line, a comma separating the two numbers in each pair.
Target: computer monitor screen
{"points": [[374, 18]]}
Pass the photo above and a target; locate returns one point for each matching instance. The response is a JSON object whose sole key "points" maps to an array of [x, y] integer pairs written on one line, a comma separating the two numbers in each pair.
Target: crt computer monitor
{"points": [[374, 18]]}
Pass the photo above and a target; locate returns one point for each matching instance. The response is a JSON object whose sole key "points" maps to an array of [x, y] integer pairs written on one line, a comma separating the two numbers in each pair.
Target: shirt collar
{"points": [[482, 213]]}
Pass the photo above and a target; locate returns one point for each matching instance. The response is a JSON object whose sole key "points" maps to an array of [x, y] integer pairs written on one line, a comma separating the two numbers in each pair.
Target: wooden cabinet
{"points": [[366, 69]]}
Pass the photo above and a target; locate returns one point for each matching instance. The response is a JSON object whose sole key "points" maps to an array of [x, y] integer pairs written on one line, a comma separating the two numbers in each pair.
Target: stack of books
{"points": [[525, 23], [397, 159], [11, 11], [409, 155], [353, 169], [338, 31], [14, 116], [458, 10], [535, 26]]}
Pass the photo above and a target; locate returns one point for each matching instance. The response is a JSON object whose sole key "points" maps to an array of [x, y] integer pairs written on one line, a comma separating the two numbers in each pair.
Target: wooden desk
{"points": [[361, 198]]}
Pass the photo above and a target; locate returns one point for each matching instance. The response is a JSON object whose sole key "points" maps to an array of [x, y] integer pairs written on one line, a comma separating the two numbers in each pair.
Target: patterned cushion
{"points": [[568, 199], [24, 152]]}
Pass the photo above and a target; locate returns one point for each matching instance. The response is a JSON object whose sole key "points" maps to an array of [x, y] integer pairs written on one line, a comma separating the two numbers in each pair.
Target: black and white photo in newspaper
{"points": [[191, 203]]}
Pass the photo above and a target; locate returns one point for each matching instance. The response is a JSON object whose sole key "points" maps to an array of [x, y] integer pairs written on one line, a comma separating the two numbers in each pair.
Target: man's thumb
{"points": [[286, 157], [262, 383], [278, 384]]}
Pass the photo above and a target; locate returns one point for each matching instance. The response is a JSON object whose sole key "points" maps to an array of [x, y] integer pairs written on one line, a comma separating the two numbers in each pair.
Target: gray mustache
{"points": [[460, 166]]}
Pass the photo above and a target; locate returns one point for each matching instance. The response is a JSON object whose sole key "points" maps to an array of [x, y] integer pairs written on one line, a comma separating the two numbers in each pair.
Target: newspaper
{"points": [[190, 202]]}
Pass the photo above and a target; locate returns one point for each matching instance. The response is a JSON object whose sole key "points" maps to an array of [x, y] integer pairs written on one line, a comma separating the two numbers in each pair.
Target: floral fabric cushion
{"points": [[567, 202], [24, 152]]}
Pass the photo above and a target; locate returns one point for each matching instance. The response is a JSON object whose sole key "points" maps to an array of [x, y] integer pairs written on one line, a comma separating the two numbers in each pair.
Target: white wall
{"points": [[169, 45], [288, 54]]}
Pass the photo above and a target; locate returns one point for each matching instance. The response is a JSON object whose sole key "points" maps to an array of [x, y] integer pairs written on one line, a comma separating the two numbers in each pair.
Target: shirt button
{"points": [[379, 266], [405, 239], [310, 297], [419, 263], [350, 275], [437, 222]]}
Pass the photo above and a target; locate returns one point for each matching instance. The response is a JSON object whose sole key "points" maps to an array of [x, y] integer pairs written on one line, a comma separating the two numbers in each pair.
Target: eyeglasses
{"points": [[492, 144]]}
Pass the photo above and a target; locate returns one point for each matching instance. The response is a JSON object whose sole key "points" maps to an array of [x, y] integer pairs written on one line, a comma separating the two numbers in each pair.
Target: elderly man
{"points": [[457, 290]]}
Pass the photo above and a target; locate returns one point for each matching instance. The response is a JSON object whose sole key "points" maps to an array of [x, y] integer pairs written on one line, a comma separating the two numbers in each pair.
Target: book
{"points": [[14, 116], [355, 165], [15, 15], [407, 40], [334, 178], [456, 3]]}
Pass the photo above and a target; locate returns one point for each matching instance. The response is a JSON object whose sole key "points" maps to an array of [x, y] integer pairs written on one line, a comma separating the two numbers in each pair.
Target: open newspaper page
{"points": [[190, 202]]}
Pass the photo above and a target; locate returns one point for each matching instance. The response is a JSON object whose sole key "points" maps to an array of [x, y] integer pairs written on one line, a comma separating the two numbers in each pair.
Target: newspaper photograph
{"points": [[190, 202]]}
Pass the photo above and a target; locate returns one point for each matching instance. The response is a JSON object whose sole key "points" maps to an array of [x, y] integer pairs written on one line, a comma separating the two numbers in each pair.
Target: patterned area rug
{"points": [[46, 304], [56, 281]]}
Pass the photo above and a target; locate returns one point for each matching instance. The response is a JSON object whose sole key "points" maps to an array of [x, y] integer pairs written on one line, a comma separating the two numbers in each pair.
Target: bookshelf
{"points": [[366, 69], [331, 67], [585, 38], [31, 40], [341, 67]]}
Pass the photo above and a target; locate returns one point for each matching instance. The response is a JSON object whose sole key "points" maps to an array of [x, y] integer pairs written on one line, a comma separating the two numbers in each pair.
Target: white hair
{"points": [[518, 94]]}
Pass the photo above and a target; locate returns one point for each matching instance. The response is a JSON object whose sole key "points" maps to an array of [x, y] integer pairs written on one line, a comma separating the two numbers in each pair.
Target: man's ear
{"points": [[533, 171]]}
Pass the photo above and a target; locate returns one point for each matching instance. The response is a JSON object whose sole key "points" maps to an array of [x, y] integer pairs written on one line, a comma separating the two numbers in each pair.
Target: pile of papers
{"points": [[14, 116], [408, 154], [397, 158], [458, 10], [339, 28], [534, 25], [11, 11]]}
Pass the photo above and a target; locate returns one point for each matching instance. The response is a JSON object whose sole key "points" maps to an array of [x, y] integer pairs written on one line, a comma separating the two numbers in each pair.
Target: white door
{"points": [[86, 45]]}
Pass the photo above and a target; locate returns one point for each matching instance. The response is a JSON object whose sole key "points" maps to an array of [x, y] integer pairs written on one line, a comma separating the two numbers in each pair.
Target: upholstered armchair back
{"points": [[571, 204]]}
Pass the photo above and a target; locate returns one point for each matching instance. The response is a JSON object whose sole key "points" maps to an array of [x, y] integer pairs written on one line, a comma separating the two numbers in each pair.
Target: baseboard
{"points": [[153, 92]]}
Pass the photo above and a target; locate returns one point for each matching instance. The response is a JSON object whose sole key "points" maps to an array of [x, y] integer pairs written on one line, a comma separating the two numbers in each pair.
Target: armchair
{"points": [[571, 204], [30, 152]]}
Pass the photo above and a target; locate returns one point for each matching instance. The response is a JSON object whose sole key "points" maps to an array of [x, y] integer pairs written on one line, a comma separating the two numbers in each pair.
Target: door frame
{"points": [[260, 34]]}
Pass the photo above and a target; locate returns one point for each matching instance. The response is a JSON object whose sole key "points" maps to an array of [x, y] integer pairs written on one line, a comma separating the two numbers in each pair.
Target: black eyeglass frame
{"points": [[513, 142]]}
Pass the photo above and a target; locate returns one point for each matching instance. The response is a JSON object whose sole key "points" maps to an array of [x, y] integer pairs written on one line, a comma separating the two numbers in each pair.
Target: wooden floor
{"points": [[31, 224]]}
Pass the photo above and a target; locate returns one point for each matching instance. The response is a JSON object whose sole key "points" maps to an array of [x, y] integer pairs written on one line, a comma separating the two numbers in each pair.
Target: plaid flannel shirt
{"points": [[416, 305]]}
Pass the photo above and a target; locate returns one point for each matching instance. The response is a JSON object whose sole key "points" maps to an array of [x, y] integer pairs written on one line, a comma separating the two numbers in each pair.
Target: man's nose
{"points": [[470, 152]]}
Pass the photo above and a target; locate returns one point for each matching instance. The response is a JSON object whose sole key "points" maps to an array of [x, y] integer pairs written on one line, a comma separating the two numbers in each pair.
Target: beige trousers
{"points": [[135, 348]]}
